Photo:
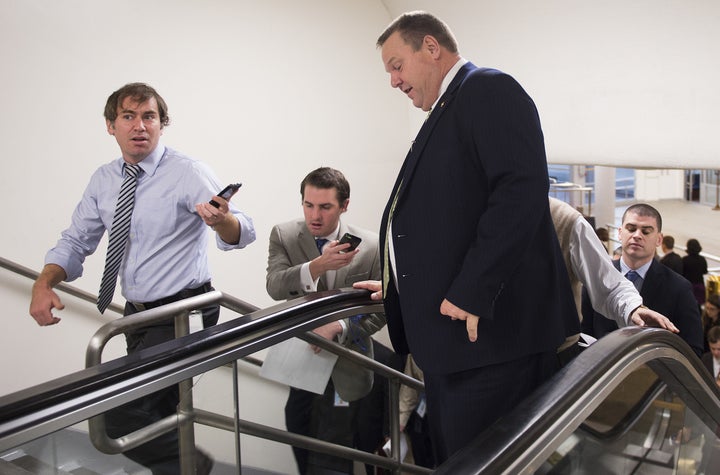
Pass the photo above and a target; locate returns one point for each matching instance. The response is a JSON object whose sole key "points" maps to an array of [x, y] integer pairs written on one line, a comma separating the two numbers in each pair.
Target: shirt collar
{"points": [[642, 270], [333, 235], [150, 163], [448, 78]]}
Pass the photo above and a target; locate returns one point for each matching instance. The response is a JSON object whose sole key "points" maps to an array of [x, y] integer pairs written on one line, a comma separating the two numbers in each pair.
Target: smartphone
{"points": [[353, 240], [226, 193]]}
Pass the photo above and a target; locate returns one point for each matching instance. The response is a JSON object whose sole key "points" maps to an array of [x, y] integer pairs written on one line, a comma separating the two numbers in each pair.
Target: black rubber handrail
{"points": [[93, 390]]}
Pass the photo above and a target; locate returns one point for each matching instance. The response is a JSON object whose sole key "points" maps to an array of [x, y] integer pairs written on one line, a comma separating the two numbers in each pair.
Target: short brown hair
{"points": [[414, 26], [326, 178], [140, 93], [643, 209], [713, 335]]}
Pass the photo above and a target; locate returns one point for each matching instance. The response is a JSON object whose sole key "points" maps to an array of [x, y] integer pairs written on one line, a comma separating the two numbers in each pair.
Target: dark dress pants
{"points": [[161, 455], [462, 405]]}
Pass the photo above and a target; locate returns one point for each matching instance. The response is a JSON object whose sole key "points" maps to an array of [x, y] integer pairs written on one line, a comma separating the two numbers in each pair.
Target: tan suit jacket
{"points": [[291, 246]]}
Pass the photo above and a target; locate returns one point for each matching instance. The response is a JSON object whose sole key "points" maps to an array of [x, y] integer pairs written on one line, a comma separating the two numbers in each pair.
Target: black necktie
{"points": [[118, 236], [635, 278], [320, 243]]}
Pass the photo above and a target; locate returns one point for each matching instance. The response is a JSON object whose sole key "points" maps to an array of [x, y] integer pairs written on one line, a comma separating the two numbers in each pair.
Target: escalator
{"points": [[638, 401]]}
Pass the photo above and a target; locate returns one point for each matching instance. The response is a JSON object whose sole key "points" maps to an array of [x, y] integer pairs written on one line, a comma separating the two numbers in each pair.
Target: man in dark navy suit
{"points": [[474, 283], [661, 288]]}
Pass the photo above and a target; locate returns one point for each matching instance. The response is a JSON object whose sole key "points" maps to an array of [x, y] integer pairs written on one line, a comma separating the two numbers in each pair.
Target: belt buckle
{"points": [[139, 306]]}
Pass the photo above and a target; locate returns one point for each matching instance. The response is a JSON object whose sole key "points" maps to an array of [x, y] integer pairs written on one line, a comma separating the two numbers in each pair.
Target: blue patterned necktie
{"points": [[635, 278], [320, 243], [118, 236]]}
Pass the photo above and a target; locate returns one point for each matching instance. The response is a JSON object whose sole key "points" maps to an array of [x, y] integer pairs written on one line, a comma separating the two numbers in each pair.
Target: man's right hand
{"points": [[333, 257], [44, 298], [43, 301], [374, 286]]}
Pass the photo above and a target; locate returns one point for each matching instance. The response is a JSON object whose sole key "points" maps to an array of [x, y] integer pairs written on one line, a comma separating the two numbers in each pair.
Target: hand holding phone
{"points": [[226, 193], [353, 240]]}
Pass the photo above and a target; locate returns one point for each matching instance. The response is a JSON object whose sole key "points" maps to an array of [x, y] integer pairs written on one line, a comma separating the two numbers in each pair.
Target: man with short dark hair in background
{"points": [[662, 289], [671, 258]]}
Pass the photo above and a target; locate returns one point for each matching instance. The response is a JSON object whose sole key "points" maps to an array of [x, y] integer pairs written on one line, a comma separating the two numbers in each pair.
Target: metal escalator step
{"points": [[9, 468], [36, 466]]}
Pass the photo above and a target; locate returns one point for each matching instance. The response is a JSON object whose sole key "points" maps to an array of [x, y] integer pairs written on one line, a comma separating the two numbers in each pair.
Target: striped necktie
{"points": [[118, 236]]}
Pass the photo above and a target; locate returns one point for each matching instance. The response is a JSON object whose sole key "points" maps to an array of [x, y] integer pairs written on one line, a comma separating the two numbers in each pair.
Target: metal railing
{"points": [[34, 412]]}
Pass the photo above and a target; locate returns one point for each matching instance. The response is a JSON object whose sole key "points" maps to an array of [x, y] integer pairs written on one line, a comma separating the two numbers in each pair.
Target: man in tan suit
{"points": [[305, 256]]}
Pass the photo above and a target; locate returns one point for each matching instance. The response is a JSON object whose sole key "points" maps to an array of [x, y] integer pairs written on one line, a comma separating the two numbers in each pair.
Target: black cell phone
{"points": [[226, 193], [353, 240]]}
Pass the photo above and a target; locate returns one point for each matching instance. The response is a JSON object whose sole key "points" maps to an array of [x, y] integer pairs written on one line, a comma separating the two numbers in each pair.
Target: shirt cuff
{"points": [[306, 280], [343, 336]]}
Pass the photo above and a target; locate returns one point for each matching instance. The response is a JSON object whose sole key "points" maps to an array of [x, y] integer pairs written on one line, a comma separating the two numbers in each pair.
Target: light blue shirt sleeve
{"points": [[168, 241]]}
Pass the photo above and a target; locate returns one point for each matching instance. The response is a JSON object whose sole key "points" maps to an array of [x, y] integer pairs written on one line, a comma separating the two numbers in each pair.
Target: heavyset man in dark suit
{"points": [[661, 288], [473, 279]]}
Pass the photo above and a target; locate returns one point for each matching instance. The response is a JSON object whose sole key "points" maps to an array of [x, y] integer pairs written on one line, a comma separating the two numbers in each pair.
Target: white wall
{"points": [[262, 91], [617, 83]]}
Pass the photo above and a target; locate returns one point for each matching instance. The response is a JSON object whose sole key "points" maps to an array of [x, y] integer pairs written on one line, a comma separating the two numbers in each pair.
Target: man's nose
{"points": [[395, 81], [139, 124]]}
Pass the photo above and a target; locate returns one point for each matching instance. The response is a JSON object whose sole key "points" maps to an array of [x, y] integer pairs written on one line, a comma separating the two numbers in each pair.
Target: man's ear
{"points": [[344, 206], [110, 127], [432, 45]]}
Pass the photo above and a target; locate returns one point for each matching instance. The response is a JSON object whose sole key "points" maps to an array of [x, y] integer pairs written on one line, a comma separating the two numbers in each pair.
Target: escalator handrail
{"points": [[521, 441], [91, 391]]}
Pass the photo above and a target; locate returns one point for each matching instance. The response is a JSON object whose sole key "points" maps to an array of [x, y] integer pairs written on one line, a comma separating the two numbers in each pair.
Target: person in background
{"points": [[413, 417], [305, 256], [604, 236], [466, 225], [590, 269], [164, 257], [662, 289], [617, 253], [711, 358], [671, 258], [694, 269], [710, 314]]}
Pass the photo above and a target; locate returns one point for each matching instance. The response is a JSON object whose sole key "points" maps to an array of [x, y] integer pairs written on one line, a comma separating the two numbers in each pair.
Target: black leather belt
{"points": [[183, 294]]}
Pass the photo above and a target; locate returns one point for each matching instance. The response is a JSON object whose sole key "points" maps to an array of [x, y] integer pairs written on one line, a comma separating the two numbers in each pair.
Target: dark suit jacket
{"points": [[673, 261], [472, 224], [664, 291]]}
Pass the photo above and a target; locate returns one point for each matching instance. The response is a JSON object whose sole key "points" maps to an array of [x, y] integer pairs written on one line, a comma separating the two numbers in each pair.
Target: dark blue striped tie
{"points": [[118, 236]]}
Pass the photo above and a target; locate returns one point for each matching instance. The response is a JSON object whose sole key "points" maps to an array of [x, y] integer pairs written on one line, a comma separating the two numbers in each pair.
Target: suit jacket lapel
{"points": [[651, 284], [421, 139]]}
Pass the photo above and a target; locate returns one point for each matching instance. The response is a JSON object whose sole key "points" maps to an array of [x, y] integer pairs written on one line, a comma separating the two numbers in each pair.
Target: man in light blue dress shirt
{"points": [[166, 254]]}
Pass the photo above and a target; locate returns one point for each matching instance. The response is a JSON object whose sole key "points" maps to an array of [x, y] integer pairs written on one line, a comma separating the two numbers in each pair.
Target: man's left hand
{"points": [[645, 317], [328, 331], [456, 313]]}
